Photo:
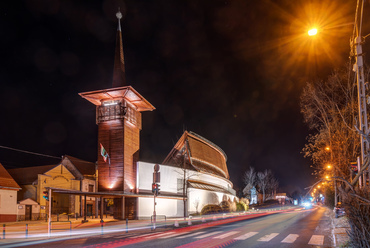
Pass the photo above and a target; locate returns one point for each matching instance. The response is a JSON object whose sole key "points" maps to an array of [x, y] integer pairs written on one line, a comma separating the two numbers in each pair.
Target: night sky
{"points": [[230, 71]]}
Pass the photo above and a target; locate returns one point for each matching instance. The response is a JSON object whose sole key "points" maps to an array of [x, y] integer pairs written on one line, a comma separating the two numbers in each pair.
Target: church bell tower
{"points": [[118, 116]]}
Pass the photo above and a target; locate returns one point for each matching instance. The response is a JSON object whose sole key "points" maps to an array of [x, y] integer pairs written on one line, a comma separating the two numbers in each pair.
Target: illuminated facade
{"points": [[70, 174], [118, 116], [193, 175]]}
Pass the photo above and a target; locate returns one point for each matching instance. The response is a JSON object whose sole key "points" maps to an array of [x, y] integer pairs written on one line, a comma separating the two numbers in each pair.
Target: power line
{"points": [[33, 153]]}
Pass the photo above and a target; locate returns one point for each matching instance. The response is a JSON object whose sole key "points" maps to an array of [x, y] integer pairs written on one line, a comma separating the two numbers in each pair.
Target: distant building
{"points": [[8, 196], [70, 174], [28, 209], [282, 198]]}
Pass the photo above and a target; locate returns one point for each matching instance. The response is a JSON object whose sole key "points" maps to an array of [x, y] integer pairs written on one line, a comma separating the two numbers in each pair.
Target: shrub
{"points": [[240, 207], [245, 202], [226, 206], [233, 206], [211, 209]]}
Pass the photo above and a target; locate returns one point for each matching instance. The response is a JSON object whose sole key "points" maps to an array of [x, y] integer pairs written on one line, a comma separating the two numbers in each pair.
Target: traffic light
{"points": [[154, 188], [46, 195]]}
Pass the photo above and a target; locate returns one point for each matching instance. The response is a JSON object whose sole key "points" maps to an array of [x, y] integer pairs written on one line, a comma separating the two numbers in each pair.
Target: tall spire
{"points": [[119, 75]]}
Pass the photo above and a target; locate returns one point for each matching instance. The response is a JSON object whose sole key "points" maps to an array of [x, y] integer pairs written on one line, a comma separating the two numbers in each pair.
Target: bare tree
{"points": [[250, 177], [263, 180], [330, 109]]}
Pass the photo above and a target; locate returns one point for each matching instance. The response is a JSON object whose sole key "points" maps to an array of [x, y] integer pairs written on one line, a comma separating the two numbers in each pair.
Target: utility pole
{"points": [[358, 67], [155, 189]]}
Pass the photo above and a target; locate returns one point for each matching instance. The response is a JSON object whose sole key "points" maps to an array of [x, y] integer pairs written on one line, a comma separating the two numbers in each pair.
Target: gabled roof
{"points": [[84, 167], [79, 168], [27, 175], [28, 201], [203, 155], [6, 180]]}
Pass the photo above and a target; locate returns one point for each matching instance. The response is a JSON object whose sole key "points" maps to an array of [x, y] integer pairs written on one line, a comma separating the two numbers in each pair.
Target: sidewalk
{"points": [[339, 230]]}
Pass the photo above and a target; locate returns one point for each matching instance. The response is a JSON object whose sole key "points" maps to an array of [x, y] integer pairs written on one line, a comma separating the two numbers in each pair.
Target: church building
{"points": [[194, 165]]}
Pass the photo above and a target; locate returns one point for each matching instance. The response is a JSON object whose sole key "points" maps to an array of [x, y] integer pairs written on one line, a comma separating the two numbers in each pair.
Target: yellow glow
{"points": [[329, 166], [327, 148], [327, 177], [311, 52], [312, 32], [319, 186]]}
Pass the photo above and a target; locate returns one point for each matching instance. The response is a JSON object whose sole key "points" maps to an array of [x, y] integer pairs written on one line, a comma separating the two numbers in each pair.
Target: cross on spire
{"points": [[119, 75]]}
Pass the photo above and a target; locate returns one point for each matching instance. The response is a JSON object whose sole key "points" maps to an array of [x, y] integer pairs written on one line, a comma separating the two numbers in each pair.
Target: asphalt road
{"points": [[303, 228]]}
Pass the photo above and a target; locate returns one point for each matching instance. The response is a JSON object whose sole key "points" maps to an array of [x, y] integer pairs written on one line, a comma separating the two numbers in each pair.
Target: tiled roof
{"points": [[28, 175], [6, 180], [84, 167]]}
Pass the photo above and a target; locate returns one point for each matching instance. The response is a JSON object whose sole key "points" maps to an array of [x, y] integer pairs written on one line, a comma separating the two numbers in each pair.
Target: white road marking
{"points": [[143, 235], [207, 235], [246, 236], [316, 240], [173, 235], [268, 237], [290, 238], [158, 235], [226, 235], [190, 235]]}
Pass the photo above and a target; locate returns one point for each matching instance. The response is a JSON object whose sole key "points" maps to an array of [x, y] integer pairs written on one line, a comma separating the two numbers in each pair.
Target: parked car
{"points": [[339, 210]]}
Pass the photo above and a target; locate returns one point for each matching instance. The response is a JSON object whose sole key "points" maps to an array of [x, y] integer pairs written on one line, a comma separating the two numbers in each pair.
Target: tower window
{"points": [[110, 110]]}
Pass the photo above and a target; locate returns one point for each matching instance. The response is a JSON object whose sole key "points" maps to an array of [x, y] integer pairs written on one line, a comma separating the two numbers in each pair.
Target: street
{"points": [[296, 228]]}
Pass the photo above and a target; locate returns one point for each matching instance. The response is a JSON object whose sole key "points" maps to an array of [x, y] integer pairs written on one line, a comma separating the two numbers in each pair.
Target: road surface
{"points": [[303, 228]]}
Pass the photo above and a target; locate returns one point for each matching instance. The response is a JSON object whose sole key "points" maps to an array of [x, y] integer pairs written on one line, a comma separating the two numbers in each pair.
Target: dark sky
{"points": [[231, 71]]}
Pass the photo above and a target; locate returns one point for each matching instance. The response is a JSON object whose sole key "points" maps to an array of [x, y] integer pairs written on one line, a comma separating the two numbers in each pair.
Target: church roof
{"points": [[6, 180], [199, 153], [127, 92]]}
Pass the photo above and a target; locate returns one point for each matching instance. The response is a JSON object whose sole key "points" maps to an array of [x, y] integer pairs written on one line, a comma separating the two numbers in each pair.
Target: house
{"points": [[71, 174], [8, 196], [28, 209]]}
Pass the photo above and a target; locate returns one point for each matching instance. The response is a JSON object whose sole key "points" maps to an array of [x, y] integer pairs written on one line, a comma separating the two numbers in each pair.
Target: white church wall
{"points": [[171, 183], [164, 207]]}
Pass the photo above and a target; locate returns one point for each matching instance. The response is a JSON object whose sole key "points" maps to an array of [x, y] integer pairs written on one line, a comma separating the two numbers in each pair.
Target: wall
{"points": [[21, 210], [58, 177], [167, 207], [198, 198], [169, 184], [8, 205]]}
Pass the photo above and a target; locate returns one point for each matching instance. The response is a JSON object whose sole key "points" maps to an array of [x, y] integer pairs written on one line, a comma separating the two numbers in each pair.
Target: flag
{"points": [[104, 153]]}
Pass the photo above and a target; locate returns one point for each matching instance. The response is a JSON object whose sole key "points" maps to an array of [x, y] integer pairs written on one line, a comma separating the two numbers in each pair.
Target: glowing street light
{"points": [[312, 32], [327, 177], [328, 166]]}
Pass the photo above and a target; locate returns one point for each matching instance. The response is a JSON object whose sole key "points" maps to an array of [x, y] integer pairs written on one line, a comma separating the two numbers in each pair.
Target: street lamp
{"points": [[312, 32]]}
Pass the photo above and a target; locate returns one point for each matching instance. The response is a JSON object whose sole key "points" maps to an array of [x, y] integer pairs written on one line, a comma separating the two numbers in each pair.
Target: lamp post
{"points": [[358, 67]]}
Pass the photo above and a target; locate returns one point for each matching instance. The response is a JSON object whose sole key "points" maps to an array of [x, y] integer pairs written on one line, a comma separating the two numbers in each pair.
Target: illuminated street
{"points": [[186, 123], [291, 228]]}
